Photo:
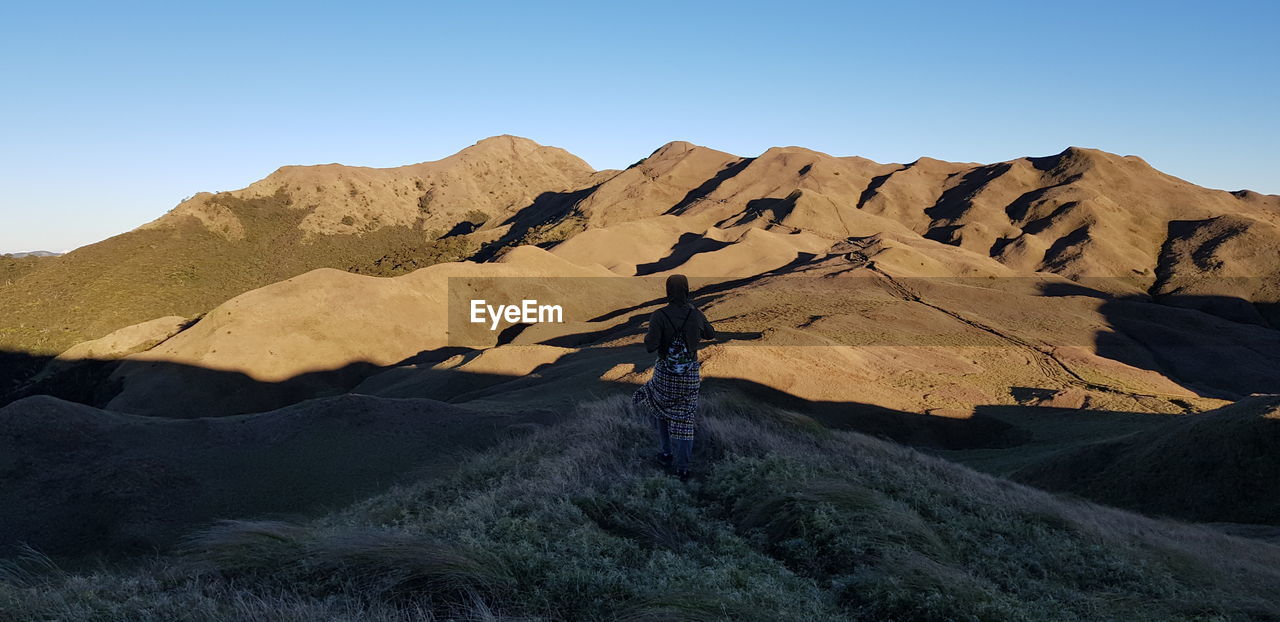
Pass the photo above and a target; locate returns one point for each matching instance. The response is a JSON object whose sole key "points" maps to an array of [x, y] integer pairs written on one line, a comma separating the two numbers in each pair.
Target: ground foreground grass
{"points": [[786, 520]]}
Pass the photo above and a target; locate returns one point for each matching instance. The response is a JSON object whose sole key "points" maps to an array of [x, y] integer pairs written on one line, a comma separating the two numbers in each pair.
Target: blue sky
{"points": [[114, 112]]}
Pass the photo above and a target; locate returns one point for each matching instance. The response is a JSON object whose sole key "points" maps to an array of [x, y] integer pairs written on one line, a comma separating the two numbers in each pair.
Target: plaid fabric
{"points": [[672, 393]]}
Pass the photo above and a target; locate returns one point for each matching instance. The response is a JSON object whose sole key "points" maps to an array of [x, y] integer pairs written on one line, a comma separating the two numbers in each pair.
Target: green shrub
{"points": [[476, 217]]}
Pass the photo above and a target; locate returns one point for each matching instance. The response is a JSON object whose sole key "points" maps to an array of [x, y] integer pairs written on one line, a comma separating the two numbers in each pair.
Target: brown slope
{"points": [[666, 182], [1219, 263], [1082, 213], [925, 342], [623, 247], [899, 193], [214, 246], [789, 187], [798, 189], [1122, 342], [497, 176], [13, 267], [325, 331], [315, 334]]}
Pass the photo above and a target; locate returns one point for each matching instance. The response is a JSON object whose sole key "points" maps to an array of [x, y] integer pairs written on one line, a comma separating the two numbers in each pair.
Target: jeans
{"points": [[680, 449]]}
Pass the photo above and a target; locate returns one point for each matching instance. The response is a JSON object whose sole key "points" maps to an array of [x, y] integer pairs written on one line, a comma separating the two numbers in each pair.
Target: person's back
{"points": [[678, 319], [683, 323]]}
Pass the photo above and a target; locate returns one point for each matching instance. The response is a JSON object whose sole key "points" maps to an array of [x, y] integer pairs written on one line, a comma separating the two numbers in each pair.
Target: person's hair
{"points": [[677, 289]]}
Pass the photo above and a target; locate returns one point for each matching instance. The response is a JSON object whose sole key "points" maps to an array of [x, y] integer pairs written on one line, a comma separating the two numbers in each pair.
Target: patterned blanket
{"points": [[672, 393]]}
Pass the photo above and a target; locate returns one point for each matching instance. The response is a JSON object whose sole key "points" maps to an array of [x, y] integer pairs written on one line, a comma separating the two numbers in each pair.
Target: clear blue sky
{"points": [[113, 112]]}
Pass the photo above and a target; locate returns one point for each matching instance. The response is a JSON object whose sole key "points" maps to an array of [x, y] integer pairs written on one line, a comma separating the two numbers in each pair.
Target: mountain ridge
{"points": [[1081, 213], [1032, 319]]}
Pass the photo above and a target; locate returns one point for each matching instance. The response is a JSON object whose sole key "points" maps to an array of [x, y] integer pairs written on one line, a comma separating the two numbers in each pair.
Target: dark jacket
{"points": [[675, 319]]}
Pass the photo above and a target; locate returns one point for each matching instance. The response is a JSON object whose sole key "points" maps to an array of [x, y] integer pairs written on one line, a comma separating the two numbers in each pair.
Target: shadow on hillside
{"points": [[709, 186], [174, 390], [354, 443], [177, 391], [686, 247], [873, 188], [1216, 466], [1047, 431], [404, 418], [770, 210], [954, 202], [1207, 354], [185, 391], [1215, 346], [382, 424], [210, 392], [548, 209], [464, 227], [128, 484]]}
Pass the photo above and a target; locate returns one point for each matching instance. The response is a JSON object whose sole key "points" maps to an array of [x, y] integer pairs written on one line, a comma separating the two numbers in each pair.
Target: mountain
{"points": [[496, 176], [790, 212], [295, 355], [1082, 214], [215, 246], [328, 331], [32, 254]]}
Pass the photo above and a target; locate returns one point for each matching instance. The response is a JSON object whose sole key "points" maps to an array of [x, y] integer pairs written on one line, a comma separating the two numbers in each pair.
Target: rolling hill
{"points": [[215, 246], [1084, 214], [1213, 466], [292, 357]]}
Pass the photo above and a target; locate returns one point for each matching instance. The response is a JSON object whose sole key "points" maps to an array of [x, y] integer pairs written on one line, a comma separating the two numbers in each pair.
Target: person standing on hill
{"points": [[672, 393]]}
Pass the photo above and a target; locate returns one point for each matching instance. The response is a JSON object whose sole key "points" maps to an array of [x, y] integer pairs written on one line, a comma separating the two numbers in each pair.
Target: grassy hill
{"points": [[49, 304], [143, 482], [13, 267], [1215, 466], [212, 247], [784, 520]]}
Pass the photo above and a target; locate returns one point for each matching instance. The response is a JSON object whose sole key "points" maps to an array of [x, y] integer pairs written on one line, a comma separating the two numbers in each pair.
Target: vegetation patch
{"points": [[49, 304], [782, 521]]}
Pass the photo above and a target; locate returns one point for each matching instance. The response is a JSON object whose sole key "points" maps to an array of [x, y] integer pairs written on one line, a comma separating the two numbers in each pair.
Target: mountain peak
{"points": [[1088, 154], [1079, 159], [673, 148], [506, 146], [773, 152], [503, 143]]}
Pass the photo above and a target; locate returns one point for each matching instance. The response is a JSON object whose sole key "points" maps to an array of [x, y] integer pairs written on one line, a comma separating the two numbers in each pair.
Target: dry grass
{"points": [[1215, 466], [52, 303], [783, 521]]}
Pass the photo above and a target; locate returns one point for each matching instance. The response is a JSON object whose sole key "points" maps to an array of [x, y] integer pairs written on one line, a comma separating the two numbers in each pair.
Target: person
{"points": [[672, 393]]}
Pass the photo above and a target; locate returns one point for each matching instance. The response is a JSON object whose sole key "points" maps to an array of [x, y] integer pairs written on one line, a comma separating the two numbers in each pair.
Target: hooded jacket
{"points": [[679, 317]]}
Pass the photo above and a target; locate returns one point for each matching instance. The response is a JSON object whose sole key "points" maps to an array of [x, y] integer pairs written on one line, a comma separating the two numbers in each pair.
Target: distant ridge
{"points": [[34, 254], [1081, 214]]}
